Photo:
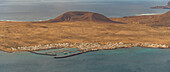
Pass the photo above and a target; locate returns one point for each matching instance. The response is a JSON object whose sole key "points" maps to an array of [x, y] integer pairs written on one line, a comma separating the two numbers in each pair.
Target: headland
{"points": [[162, 7]]}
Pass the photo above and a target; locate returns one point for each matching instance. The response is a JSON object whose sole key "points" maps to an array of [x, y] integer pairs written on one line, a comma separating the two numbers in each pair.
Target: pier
{"points": [[42, 53], [56, 57]]}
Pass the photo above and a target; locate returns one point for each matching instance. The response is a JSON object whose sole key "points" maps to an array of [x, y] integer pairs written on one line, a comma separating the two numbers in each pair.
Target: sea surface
{"points": [[121, 60], [34, 10]]}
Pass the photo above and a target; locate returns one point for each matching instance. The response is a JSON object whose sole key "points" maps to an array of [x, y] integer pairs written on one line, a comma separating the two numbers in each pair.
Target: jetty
{"points": [[59, 57], [42, 53]]}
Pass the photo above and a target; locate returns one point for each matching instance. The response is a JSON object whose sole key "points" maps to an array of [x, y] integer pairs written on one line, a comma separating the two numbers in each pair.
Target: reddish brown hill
{"points": [[151, 20], [164, 19], [160, 20], [80, 16]]}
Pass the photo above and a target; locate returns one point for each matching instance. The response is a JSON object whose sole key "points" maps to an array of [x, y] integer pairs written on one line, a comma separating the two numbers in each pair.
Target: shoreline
{"points": [[83, 48], [133, 33], [147, 14], [86, 46], [142, 14]]}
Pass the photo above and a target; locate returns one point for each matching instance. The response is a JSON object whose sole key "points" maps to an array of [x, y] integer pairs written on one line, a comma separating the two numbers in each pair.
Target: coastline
{"points": [[86, 47], [18, 36], [141, 14], [147, 14], [83, 48]]}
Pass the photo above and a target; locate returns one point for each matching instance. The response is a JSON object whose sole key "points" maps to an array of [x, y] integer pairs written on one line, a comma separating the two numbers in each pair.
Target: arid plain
{"points": [[135, 29]]}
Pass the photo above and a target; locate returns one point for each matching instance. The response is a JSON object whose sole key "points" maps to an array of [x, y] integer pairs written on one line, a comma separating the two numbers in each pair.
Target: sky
{"points": [[7, 1], [48, 9], [82, 0]]}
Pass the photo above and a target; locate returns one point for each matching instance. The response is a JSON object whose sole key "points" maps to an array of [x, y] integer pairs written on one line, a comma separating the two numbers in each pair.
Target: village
{"points": [[88, 46]]}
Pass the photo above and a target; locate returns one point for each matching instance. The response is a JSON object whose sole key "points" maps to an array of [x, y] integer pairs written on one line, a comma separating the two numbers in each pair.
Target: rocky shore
{"points": [[88, 46]]}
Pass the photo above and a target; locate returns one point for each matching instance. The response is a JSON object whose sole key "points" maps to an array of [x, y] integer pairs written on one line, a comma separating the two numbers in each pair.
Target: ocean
{"points": [[119, 60], [44, 10]]}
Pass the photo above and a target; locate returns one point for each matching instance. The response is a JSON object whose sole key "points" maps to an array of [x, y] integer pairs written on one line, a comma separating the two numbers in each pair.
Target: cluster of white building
{"points": [[154, 45], [89, 46]]}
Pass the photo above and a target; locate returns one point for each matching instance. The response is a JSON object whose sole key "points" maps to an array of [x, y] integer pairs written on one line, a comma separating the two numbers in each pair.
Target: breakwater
{"points": [[57, 57], [42, 53]]}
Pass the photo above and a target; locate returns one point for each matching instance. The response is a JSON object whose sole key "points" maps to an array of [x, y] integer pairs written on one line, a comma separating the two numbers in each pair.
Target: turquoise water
{"points": [[120, 60]]}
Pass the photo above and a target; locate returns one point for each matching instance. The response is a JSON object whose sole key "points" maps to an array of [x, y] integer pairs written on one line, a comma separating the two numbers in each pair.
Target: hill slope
{"points": [[151, 20], [80, 16]]}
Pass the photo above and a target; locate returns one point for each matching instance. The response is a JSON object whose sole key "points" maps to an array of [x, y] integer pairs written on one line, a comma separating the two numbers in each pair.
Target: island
{"points": [[162, 7], [87, 31]]}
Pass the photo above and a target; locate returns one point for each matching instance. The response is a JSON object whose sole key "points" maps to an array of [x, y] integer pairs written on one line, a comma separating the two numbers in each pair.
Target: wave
{"points": [[23, 20], [148, 14], [11, 20]]}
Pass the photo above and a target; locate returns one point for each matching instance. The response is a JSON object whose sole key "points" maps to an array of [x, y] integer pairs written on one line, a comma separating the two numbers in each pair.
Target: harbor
{"points": [[65, 50]]}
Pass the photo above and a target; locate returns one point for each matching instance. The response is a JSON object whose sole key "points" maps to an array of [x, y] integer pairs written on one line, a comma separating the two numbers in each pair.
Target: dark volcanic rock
{"points": [[162, 7], [80, 16]]}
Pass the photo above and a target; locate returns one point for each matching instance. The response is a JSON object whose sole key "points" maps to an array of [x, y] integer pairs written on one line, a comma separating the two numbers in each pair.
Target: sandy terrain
{"points": [[14, 34]]}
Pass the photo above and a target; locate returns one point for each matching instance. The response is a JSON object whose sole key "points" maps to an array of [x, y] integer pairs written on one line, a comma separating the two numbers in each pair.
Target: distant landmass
{"points": [[80, 16], [162, 7]]}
